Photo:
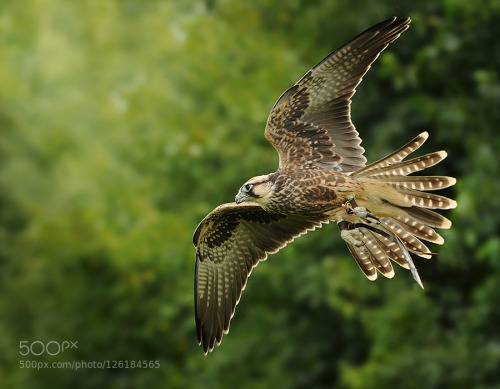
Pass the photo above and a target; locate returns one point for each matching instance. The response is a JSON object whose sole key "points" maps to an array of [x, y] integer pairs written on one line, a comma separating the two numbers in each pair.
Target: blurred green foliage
{"points": [[122, 123]]}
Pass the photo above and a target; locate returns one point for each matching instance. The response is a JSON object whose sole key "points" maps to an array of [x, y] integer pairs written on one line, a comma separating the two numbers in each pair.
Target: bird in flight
{"points": [[383, 213]]}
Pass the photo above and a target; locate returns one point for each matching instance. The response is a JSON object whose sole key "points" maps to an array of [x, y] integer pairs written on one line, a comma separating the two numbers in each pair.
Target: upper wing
{"points": [[311, 122], [229, 242]]}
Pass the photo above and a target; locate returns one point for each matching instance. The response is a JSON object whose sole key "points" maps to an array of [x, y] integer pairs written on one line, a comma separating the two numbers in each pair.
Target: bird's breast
{"points": [[310, 192]]}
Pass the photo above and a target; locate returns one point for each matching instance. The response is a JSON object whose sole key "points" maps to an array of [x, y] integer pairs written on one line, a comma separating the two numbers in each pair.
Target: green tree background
{"points": [[122, 123]]}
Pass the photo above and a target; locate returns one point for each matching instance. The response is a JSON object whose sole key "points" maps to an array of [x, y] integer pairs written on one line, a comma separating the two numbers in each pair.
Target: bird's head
{"points": [[257, 189]]}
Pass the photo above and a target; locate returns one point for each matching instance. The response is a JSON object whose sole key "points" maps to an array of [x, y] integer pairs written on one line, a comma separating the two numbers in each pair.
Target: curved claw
{"points": [[363, 213]]}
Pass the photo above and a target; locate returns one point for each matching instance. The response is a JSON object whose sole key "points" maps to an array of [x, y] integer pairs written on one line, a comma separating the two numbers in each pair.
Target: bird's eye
{"points": [[247, 188]]}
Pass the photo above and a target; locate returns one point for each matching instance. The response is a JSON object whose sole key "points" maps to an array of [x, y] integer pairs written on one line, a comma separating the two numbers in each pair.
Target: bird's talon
{"points": [[363, 213], [352, 208]]}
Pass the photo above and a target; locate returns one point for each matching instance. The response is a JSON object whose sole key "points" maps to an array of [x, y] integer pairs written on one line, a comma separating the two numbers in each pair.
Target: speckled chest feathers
{"points": [[310, 191]]}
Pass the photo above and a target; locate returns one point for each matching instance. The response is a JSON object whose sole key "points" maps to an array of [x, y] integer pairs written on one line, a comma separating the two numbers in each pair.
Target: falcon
{"points": [[383, 213]]}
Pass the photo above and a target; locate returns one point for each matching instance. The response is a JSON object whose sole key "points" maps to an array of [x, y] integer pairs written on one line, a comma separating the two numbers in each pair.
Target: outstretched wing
{"points": [[230, 242], [310, 124]]}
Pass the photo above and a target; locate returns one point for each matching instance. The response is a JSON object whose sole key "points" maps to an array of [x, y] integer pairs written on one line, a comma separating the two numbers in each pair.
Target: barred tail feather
{"points": [[378, 256], [362, 257], [405, 211], [410, 241], [411, 191], [427, 200], [426, 216], [395, 157], [406, 167], [424, 183], [420, 230], [381, 244], [392, 250]]}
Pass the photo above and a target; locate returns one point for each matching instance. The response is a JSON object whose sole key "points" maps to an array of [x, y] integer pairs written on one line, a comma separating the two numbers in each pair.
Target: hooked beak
{"points": [[240, 197]]}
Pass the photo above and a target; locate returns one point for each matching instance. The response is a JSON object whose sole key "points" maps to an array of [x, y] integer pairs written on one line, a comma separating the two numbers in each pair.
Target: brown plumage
{"points": [[383, 214]]}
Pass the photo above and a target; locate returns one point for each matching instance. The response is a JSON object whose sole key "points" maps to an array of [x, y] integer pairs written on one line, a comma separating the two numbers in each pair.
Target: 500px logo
{"points": [[52, 348]]}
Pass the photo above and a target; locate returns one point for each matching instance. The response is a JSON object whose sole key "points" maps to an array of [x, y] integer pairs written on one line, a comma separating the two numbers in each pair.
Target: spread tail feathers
{"points": [[403, 209]]}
